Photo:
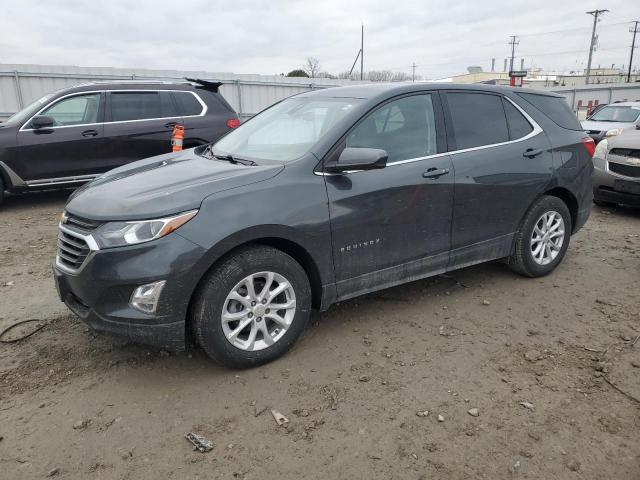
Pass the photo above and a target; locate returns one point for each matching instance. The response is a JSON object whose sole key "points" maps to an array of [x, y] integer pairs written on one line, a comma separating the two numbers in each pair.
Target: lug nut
{"points": [[250, 315], [253, 304], [259, 319], [267, 311], [264, 300]]}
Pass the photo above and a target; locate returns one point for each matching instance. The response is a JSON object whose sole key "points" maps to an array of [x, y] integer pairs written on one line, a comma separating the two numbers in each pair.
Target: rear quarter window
{"points": [[556, 108], [188, 104]]}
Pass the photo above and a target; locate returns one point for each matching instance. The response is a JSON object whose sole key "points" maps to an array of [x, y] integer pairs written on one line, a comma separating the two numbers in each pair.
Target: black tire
{"points": [[602, 203], [522, 260], [221, 280]]}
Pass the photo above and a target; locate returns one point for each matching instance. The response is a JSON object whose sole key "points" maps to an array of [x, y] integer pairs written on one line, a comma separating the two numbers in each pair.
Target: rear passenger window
{"points": [[188, 104], [556, 108], [405, 128], [478, 119], [135, 106], [519, 126]]}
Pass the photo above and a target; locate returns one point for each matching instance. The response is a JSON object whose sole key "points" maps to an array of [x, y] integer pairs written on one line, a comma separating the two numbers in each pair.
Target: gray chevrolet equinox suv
{"points": [[322, 197]]}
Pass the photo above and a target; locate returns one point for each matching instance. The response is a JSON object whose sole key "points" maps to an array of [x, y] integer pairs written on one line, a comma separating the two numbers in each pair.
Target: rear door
{"points": [[393, 225], [73, 146], [139, 124], [502, 163]]}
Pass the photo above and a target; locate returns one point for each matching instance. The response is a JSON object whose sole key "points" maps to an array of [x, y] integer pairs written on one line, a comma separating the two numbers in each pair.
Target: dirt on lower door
{"points": [[477, 374]]}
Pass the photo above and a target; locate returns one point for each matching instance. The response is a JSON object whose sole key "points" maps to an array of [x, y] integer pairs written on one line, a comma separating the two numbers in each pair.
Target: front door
{"points": [[138, 125], [72, 147], [502, 162], [393, 224]]}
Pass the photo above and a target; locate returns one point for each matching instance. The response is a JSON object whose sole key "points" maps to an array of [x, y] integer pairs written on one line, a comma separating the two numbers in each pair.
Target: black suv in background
{"points": [[71, 136], [325, 196]]}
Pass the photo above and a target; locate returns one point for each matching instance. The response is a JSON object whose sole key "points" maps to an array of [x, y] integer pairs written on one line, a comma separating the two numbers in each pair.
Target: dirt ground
{"points": [[552, 366]]}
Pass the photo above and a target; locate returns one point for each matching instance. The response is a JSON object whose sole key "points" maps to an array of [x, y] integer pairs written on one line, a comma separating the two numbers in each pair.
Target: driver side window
{"points": [[76, 110], [405, 128]]}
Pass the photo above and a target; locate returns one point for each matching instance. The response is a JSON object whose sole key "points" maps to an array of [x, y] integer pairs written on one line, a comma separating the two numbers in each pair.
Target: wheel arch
{"points": [[273, 237], [569, 200]]}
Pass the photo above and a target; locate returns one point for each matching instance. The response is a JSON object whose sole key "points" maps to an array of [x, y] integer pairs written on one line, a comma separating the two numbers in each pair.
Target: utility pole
{"points": [[596, 14], [633, 45], [513, 42], [362, 53], [413, 73]]}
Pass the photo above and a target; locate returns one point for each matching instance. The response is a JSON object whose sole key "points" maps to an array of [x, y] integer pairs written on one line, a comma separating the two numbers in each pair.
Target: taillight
{"points": [[589, 145], [233, 123]]}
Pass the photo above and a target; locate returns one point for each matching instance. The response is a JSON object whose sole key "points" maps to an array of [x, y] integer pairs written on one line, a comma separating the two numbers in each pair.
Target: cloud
{"points": [[252, 36]]}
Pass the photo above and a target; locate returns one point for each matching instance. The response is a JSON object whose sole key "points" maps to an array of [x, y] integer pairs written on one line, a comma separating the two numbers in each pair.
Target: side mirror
{"points": [[41, 121], [353, 158]]}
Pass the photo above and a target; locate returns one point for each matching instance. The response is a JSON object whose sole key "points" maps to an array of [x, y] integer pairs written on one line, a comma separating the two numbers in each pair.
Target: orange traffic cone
{"points": [[177, 137]]}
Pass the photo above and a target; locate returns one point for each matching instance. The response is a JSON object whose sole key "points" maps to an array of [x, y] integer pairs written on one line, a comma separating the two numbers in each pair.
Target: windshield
{"points": [[27, 111], [616, 114], [287, 130]]}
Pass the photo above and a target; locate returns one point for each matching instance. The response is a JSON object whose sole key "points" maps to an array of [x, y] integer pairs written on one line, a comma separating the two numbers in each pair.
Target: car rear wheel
{"points": [[543, 238], [252, 307]]}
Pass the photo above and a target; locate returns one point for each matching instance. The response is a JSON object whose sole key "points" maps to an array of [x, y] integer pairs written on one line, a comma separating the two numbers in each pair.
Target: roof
{"points": [[625, 104], [375, 90]]}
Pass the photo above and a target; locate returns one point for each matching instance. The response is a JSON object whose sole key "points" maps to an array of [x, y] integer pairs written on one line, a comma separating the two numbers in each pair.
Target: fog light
{"points": [[145, 297]]}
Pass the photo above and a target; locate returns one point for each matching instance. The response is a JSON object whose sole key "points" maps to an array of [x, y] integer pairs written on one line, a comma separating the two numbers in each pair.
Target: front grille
{"points": [[72, 250], [625, 152], [626, 170]]}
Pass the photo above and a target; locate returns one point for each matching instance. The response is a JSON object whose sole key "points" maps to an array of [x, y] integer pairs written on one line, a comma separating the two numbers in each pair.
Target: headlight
{"points": [[613, 132], [117, 234], [601, 149]]}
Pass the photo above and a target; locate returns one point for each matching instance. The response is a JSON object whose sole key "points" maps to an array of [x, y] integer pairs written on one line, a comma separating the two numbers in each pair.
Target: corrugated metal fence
{"points": [[248, 94]]}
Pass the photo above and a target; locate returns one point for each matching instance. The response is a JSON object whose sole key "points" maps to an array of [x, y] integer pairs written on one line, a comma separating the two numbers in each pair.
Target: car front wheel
{"points": [[252, 307], [543, 238]]}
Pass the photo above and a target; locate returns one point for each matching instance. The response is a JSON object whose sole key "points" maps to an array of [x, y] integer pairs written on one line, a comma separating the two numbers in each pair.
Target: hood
{"points": [[627, 139], [603, 126], [161, 186]]}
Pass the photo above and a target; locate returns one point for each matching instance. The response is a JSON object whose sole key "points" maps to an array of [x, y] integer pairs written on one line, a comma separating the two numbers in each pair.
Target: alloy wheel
{"points": [[547, 238], [258, 311]]}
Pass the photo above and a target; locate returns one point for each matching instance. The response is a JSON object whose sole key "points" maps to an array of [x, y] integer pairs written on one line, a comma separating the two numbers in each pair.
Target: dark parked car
{"points": [[69, 137], [323, 197]]}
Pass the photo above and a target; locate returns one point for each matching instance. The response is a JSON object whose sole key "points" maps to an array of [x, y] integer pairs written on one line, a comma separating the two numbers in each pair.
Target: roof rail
{"points": [[136, 82]]}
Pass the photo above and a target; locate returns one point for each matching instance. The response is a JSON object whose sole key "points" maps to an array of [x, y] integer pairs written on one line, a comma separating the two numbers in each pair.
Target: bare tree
{"points": [[312, 67]]}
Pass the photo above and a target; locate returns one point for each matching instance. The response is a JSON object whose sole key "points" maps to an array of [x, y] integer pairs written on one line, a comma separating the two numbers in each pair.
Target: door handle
{"points": [[89, 133], [170, 125], [532, 152], [434, 172]]}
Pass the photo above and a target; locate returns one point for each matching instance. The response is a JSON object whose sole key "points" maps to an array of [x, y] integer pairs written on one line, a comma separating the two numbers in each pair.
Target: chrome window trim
{"points": [[536, 131], [203, 113]]}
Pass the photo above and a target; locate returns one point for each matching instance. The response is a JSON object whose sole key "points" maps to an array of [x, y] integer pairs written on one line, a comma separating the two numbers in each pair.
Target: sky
{"points": [[275, 36]]}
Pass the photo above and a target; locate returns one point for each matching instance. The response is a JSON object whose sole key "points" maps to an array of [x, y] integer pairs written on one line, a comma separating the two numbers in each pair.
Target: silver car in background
{"points": [[616, 177], [612, 120]]}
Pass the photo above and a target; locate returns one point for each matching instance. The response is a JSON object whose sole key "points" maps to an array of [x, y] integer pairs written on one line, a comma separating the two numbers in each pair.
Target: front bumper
{"points": [[609, 187], [99, 292]]}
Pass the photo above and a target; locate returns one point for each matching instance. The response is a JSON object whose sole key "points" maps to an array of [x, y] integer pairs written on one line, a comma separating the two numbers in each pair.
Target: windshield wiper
{"points": [[235, 160], [207, 152]]}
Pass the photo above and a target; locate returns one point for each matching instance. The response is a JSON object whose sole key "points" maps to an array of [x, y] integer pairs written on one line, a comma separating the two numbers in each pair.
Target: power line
{"points": [[633, 46], [513, 42], [595, 14]]}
